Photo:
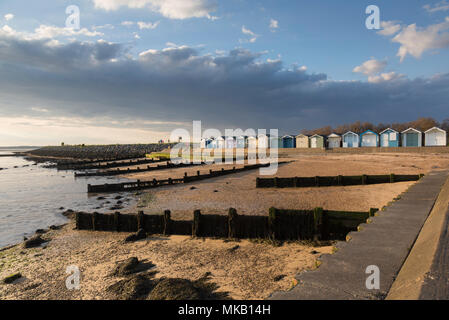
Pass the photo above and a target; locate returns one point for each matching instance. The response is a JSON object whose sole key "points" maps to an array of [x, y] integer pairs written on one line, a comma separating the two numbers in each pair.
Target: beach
{"points": [[244, 269]]}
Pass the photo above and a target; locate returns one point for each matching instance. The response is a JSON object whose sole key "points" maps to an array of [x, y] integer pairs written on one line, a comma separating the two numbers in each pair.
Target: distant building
{"points": [[351, 140], [369, 138], [316, 141], [435, 137], [411, 138], [302, 141], [242, 142], [389, 138], [334, 141], [288, 141], [252, 142]]}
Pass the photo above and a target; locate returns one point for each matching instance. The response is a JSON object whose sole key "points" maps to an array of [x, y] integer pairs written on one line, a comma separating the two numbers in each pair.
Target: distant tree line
{"points": [[421, 124]]}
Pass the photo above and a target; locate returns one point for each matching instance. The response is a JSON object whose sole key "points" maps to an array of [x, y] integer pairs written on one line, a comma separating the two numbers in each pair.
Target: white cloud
{"points": [[370, 67], [415, 41], [173, 9], [147, 25], [440, 6], [248, 32], [127, 23], [274, 24], [383, 77], [9, 16], [389, 28], [48, 32]]}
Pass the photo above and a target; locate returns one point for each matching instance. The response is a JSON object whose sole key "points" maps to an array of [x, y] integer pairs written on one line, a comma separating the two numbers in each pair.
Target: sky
{"points": [[134, 70]]}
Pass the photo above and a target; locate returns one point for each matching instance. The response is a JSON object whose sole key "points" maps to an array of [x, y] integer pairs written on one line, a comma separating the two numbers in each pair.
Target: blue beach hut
{"points": [[288, 141], [389, 138], [350, 140], [369, 138]]}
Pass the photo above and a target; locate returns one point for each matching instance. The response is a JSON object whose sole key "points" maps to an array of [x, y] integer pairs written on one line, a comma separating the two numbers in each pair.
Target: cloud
{"points": [[147, 25], [274, 24], [171, 87], [48, 32], [389, 28], [127, 23], [370, 67], [9, 16], [248, 32], [440, 6], [384, 77], [173, 9], [415, 41]]}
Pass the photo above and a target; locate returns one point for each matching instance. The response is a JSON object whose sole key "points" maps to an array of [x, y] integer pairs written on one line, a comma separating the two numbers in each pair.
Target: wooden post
{"points": [[140, 222], [317, 181], [94, 221], [317, 223], [272, 223], [198, 173], [154, 182], [170, 181], [117, 221], [372, 211], [232, 223], [391, 177], [257, 183], [167, 222], [77, 220], [89, 188], [340, 180], [364, 179], [196, 223]]}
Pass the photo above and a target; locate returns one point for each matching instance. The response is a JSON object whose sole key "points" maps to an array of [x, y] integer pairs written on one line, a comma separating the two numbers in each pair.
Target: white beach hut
{"points": [[252, 142], [334, 141], [351, 140], [435, 137]]}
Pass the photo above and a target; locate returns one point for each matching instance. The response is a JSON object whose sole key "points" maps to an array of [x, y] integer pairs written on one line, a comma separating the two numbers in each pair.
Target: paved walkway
{"points": [[385, 242]]}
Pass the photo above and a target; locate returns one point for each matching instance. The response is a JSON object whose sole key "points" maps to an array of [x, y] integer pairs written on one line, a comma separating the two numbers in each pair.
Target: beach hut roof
{"points": [[302, 135], [411, 129], [288, 136], [389, 129], [264, 135], [435, 128], [368, 131], [317, 135], [350, 132], [333, 135]]}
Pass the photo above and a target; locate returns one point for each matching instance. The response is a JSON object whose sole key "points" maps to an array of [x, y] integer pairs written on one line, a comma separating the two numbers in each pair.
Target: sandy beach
{"points": [[240, 269]]}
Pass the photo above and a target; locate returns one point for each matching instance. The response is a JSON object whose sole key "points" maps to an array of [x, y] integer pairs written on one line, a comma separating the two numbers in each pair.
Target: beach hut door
{"points": [[314, 142], [385, 140]]}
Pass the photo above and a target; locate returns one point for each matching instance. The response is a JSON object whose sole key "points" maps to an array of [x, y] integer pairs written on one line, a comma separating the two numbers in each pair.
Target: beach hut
{"points": [[389, 138], [210, 143], [252, 142], [203, 143], [435, 137], [350, 140], [369, 138], [334, 141], [263, 141], [230, 142], [302, 141], [317, 141], [242, 142], [411, 138], [288, 141], [219, 143]]}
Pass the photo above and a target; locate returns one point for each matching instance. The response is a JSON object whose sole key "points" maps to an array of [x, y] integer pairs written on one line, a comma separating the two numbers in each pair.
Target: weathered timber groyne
{"points": [[118, 171], [139, 185], [307, 182], [108, 165], [279, 224]]}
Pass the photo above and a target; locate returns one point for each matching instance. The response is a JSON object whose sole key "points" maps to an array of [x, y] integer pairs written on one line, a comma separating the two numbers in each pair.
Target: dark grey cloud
{"points": [[240, 89]]}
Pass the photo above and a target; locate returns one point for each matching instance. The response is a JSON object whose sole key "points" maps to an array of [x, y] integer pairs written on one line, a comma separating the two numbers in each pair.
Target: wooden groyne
{"points": [[108, 165], [307, 182], [118, 171], [279, 224], [139, 185]]}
